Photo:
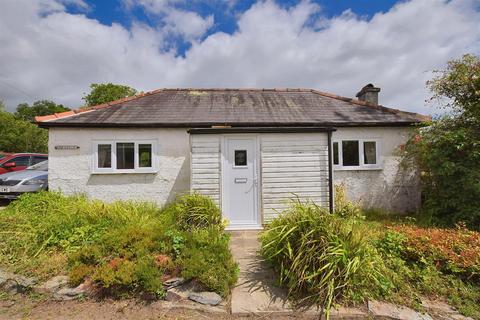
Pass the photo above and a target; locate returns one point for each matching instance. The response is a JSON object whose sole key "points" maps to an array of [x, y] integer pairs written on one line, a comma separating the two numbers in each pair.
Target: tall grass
{"points": [[127, 246], [320, 257]]}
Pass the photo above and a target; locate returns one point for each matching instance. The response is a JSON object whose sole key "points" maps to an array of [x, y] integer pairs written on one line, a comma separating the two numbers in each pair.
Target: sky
{"points": [[54, 49]]}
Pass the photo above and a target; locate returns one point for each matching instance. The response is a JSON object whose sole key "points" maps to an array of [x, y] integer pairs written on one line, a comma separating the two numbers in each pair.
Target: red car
{"points": [[19, 161]]}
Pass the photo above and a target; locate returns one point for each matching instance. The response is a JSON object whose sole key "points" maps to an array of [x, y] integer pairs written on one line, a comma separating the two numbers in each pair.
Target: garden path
{"points": [[255, 292]]}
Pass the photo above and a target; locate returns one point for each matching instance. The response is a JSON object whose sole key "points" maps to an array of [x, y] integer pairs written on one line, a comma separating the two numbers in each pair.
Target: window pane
{"points": [[240, 157], [145, 155], [38, 159], [350, 153], [125, 155], [370, 152], [335, 153], [104, 155], [21, 161]]}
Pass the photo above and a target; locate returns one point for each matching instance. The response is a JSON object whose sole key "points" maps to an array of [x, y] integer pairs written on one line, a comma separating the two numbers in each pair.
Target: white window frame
{"points": [[362, 165], [137, 168]]}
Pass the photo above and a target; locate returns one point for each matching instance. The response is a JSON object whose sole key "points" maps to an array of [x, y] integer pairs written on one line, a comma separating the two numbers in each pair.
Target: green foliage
{"points": [[458, 87], [448, 153], [320, 256], [448, 150], [327, 259], [38, 108], [195, 211], [432, 262], [21, 136], [208, 259], [106, 92], [123, 247], [343, 207]]}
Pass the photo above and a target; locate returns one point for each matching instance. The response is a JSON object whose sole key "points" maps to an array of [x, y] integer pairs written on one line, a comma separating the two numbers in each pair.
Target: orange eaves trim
{"points": [[65, 114]]}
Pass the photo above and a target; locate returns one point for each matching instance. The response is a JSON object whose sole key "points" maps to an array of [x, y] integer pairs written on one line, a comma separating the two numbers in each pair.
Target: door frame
{"points": [[256, 172]]}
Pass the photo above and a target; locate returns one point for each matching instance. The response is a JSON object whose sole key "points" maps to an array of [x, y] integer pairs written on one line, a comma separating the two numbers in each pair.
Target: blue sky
{"points": [[115, 11], [54, 49]]}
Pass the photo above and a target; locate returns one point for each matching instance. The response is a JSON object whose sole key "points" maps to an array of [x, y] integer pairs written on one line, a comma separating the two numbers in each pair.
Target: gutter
{"points": [[209, 125], [259, 130]]}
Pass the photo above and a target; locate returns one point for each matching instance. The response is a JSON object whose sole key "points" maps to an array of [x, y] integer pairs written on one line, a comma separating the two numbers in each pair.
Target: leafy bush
{"points": [[195, 211], [343, 207], [21, 136], [448, 150], [207, 260], [453, 251], [327, 259], [122, 246], [432, 262], [320, 256]]}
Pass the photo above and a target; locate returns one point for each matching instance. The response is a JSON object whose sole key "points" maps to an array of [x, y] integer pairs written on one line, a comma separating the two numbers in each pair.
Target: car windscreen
{"points": [[41, 166]]}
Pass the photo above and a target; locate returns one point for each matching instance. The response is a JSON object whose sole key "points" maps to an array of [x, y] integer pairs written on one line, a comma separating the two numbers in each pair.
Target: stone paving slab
{"points": [[255, 292]]}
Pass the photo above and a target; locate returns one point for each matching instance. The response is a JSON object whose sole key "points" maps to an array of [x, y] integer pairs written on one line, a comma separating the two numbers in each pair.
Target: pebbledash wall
{"points": [[70, 171], [394, 187]]}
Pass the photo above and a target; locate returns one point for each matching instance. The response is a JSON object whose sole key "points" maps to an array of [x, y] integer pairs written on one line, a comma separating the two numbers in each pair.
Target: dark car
{"points": [[20, 161]]}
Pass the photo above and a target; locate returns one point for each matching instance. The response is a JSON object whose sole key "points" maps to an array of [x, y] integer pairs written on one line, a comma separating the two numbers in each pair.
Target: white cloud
{"points": [[57, 55], [187, 24]]}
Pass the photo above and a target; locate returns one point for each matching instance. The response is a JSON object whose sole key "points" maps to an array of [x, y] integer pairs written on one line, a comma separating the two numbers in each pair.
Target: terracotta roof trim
{"points": [[71, 113]]}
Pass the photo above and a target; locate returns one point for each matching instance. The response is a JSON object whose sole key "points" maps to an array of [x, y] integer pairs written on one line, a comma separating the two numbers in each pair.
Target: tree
{"points": [[448, 150], [106, 92], [2, 106], [21, 136], [39, 108]]}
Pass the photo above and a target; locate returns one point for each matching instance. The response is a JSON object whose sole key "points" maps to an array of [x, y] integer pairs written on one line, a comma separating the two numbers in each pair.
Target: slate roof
{"points": [[233, 107]]}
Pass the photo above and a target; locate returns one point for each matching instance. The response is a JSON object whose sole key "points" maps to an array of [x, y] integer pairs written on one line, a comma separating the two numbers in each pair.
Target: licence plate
{"points": [[4, 189]]}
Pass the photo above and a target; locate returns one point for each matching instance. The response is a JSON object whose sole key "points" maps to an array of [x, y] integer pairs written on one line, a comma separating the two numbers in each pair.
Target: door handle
{"points": [[241, 180]]}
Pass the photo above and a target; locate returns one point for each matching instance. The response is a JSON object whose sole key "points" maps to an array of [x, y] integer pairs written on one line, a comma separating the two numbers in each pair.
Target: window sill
{"points": [[357, 168], [125, 172]]}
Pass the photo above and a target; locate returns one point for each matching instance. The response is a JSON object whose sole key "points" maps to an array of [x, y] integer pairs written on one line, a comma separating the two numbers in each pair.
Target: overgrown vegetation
{"points": [[39, 108], [124, 247], [326, 259], [21, 136], [448, 149], [106, 92], [18, 132], [319, 256]]}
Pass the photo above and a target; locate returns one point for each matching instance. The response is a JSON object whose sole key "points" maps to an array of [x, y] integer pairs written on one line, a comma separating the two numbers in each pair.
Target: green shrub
{"points": [[194, 211], [343, 207], [208, 259], [124, 247], [320, 257], [426, 261]]}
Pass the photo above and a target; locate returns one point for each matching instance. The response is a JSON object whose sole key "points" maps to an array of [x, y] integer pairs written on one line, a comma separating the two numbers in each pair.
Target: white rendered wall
{"points": [[70, 170], [391, 187]]}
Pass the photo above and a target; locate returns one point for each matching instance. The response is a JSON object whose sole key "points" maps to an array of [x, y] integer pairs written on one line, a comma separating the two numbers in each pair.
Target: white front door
{"points": [[240, 185]]}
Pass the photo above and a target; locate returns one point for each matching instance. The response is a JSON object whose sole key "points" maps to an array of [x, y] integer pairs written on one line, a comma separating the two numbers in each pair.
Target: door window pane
{"points": [[370, 152], [350, 153], [335, 153], [104, 155], [125, 155], [145, 155], [240, 158]]}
